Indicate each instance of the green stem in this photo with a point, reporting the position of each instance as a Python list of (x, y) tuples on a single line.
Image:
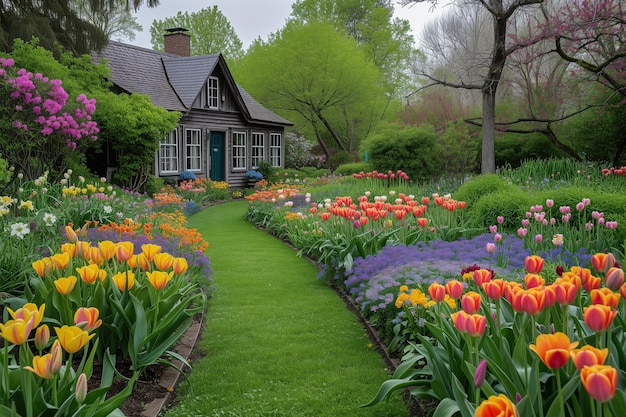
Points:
[(606, 412), (5, 373), (539, 395), (565, 320), (558, 386)]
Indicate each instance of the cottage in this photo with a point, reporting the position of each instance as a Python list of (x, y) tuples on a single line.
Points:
[(223, 131)]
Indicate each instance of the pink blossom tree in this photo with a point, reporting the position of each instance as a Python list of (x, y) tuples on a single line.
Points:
[(41, 128)]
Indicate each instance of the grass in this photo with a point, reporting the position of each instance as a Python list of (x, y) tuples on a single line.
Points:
[(278, 342)]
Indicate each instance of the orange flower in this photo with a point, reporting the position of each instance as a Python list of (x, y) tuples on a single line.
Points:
[(87, 318), (437, 292), (454, 288), (591, 283), (494, 289), (65, 285), (565, 291), (529, 301), (588, 355), (180, 265), (599, 317), (124, 280), (470, 302), (71, 234), (482, 275), (159, 279), (472, 324), (533, 264), (534, 280), (601, 262), (149, 250), (600, 381), (422, 222), (89, 273), (163, 261), (605, 296), (553, 349), (499, 406)]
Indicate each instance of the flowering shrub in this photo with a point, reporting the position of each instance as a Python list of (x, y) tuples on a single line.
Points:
[(515, 339)]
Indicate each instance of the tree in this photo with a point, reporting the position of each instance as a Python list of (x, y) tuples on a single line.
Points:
[(501, 11), (325, 82), (117, 21), (56, 21), (211, 33)]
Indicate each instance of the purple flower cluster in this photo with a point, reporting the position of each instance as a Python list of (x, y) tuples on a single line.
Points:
[(42, 101)]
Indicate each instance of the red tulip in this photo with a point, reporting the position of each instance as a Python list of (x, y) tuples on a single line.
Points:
[(605, 296), (600, 381), (553, 349), (494, 289), (599, 317), (482, 275)]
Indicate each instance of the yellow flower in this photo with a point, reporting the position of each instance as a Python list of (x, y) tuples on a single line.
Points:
[(65, 285), (43, 366), (163, 261), (450, 301), (43, 267), (180, 265), (72, 338), (417, 297), (124, 279), (28, 205), (401, 299), (87, 318), (17, 331), (61, 260), (89, 273), (107, 249), (159, 279), (149, 250), (27, 311)]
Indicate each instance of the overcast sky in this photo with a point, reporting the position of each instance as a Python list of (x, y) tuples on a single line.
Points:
[(253, 18)]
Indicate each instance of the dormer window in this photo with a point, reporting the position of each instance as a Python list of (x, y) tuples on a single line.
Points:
[(213, 93)]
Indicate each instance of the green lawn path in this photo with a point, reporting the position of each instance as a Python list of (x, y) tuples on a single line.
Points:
[(278, 342)]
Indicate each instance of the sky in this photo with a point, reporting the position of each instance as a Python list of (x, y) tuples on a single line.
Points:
[(254, 18)]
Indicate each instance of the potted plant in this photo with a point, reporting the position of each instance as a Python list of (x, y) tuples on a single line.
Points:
[(252, 177)]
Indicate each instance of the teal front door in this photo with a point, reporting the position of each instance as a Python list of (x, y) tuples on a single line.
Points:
[(216, 153)]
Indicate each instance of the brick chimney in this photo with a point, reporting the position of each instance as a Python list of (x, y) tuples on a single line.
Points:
[(177, 41)]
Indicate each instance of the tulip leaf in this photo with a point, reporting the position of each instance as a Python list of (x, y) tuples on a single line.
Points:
[(139, 329), (567, 390), (467, 410), (446, 408), (389, 387), (440, 383), (407, 365)]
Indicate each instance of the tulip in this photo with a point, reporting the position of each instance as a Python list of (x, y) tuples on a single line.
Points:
[(61, 260), (482, 275), (470, 302), (599, 317), (17, 331), (605, 296), (180, 265), (72, 338), (591, 283), (71, 233), (534, 280), (27, 311), (159, 279), (479, 375), (82, 249), (494, 289), (491, 247), (599, 262), (499, 406), (81, 388), (600, 381), (95, 256), (553, 349), (422, 222), (472, 324), (107, 249), (163, 261), (454, 288), (437, 292), (565, 292), (588, 355), (614, 278), (622, 291), (87, 318), (124, 280), (42, 337), (124, 250), (533, 264), (149, 250), (89, 273), (65, 285), (42, 366), (69, 248), (43, 267)]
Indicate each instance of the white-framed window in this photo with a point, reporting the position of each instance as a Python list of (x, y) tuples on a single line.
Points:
[(276, 140), (239, 150), (258, 145), (213, 93), (168, 153), (193, 149)]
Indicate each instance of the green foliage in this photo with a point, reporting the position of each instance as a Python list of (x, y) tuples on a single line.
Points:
[(511, 203), (481, 185), (353, 168), (297, 150), (133, 127), (210, 31), (512, 149), (339, 158), (458, 150), (410, 149)]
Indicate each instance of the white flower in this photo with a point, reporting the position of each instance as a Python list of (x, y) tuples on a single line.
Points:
[(4, 211), (20, 230), (557, 240), (20, 175), (50, 219), (120, 214), (108, 209)]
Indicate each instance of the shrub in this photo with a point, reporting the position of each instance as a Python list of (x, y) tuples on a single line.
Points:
[(411, 150), (512, 149), (458, 150), (354, 168), (339, 158), (478, 186), (297, 150)]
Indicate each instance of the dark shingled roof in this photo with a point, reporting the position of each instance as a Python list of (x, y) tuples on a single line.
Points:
[(171, 81)]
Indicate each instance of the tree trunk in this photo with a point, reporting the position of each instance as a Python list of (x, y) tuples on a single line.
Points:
[(488, 165), (332, 131)]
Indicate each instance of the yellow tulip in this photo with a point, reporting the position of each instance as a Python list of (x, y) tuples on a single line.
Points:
[(27, 311), (65, 285), (163, 261), (124, 250), (72, 338), (69, 248), (87, 318), (180, 265), (43, 267), (159, 279), (149, 250), (61, 260), (42, 366), (107, 248), (89, 273), (71, 233), (17, 331), (124, 279)]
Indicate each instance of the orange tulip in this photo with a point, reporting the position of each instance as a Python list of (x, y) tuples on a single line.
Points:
[(89, 273), (605, 296), (553, 349), (124, 250), (470, 302), (533, 264), (496, 406), (159, 279), (163, 261), (72, 338), (325, 215), (622, 291), (65, 285), (591, 283), (573, 278), (124, 280), (565, 292), (599, 317), (588, 355), (61, 260), (437, 292), (534, 280), (180, 265), (454, 288), (422, 222), (149, 250), (87, 318), (598, 262), (482, 275), (494, 289), (600, 381), (614, 278), (472, 324)]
